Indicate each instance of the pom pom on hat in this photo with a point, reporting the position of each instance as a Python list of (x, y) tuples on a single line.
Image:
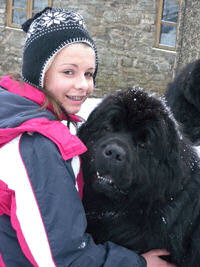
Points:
[(47, 33), (26, 25)]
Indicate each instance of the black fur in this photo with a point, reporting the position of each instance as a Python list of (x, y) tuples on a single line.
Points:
[(183, 97), (142, 179)]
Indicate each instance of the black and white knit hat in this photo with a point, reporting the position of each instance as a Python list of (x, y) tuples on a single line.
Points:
[(47, 33)]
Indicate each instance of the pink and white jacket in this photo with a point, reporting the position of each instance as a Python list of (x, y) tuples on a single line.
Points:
[(42, 220)]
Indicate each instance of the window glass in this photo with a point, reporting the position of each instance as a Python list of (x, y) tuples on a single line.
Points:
[(21, 10), (18, 17), (19, 3), (170, 11), (168, 35), (39, 5)]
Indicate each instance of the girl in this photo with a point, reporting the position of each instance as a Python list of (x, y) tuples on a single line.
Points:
[(42, 221)]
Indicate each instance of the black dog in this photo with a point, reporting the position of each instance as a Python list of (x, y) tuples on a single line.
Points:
[(183, 97), (142, 179)]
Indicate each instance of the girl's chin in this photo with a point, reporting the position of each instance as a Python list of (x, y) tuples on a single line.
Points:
[(73, 109), (72, 106)]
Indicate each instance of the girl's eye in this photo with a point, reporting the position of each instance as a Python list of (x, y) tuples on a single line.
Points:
[(68, 72), (89, 74)]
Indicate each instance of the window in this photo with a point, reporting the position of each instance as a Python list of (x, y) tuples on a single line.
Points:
[(21, 10), (167, 22)]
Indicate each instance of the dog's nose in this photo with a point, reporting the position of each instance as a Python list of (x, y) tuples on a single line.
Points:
[(114, 152)]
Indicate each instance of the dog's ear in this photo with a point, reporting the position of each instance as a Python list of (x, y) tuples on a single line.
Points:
[(191, 88), (170, 164)]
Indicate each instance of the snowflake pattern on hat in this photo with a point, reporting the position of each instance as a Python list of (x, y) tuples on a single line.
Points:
[(55, 18)]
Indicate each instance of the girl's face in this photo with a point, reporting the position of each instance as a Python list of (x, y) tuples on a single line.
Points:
[(70, 76)]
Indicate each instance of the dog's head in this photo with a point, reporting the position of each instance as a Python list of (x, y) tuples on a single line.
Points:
[(183, 97), (134, 147)]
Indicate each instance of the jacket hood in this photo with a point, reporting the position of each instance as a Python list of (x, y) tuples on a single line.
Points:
[(14, 110)]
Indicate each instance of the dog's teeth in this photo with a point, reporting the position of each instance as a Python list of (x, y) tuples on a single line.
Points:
[(164, 220), (109, 181), (104, 178)]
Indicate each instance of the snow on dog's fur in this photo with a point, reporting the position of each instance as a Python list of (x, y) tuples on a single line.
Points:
[(142, 178)]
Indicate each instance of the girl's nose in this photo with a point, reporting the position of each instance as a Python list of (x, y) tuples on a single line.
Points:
[(81, 83)]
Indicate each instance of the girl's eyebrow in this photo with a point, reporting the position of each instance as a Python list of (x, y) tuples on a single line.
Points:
[(76, 66), (69, 64)]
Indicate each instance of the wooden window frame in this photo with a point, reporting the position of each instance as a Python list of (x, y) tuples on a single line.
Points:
[(29, 11), (161, 22)]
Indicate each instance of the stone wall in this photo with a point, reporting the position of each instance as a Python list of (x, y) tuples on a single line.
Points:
[(11, 43), (189, 34), (124, 32)]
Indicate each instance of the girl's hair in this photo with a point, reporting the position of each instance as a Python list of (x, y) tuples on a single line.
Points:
[(49, 99)]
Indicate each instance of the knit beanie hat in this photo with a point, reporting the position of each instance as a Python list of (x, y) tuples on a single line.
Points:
[(47, 33)]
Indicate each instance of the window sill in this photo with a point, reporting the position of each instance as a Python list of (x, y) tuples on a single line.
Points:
[(10, 28), (164, 50)]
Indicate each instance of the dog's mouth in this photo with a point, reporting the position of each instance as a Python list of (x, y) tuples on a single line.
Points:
[(105, 184)]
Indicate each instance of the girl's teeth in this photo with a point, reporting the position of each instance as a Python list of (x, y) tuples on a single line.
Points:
[(77, 98)]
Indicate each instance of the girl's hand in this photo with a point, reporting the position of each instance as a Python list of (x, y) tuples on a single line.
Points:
[(153, 260)]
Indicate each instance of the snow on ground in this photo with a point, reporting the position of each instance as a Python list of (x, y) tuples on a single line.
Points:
[(197, 150), (86, 109), (88, 106)]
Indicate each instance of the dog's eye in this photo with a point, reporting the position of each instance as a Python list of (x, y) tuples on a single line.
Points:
[(141, 145), (107, 129)]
